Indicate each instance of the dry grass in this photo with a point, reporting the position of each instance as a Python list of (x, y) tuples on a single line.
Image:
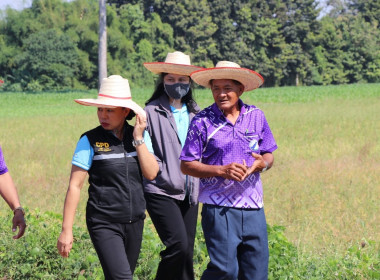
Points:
[(324, 187)]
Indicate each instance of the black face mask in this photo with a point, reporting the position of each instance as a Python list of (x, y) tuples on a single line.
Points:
[(177, 91)]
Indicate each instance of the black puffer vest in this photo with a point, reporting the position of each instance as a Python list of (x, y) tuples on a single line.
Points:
[(116, 191)]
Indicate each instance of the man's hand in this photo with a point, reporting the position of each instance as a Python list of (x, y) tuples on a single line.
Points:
[(18, 222), (259, 164), (234, 171)]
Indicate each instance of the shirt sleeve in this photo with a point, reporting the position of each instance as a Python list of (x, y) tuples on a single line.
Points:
[(83, 154), (268, 144), (148, 142), (3, 166), (192, 150)]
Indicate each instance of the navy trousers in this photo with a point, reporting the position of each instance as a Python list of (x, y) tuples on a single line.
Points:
[(237, 243)]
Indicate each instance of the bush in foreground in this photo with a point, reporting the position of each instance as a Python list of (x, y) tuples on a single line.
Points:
[(35, 256)]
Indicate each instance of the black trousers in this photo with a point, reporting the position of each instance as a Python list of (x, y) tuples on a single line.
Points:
[(117, 245), (175, 222)]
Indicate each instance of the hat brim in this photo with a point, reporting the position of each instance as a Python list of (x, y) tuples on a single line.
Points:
[(106, 103), (163, 67), (248, 78)]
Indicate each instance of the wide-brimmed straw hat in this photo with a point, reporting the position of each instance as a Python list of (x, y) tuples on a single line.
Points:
[(228, 70), (175, 63), (114, 92)]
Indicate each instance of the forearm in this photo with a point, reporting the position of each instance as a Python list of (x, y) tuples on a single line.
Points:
[(269, 159), (148, 163), (70, 206), (8, 191), (77, 178), (201, 170)]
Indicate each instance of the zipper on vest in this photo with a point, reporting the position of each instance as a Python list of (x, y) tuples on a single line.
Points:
[(128, 184)]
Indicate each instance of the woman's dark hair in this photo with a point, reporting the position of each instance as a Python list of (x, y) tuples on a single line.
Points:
[(131, 115), (160, 90)]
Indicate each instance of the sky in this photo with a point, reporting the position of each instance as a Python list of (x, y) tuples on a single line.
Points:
[(15, 4), (20, 4)]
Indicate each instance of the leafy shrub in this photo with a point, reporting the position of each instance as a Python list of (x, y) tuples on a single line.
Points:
[(286, 263), (34, 86), (16, 87), (35, 255)]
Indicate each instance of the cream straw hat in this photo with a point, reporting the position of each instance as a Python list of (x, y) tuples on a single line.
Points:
[(114, 92), (175, 63), (228, 70)]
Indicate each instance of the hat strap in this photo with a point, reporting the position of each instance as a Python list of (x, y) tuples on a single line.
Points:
[(113, 97)]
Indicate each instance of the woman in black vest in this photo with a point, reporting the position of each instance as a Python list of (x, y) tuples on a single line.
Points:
[(115, 158)]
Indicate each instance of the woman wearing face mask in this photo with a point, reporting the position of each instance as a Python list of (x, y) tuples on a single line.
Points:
[(172, 197)]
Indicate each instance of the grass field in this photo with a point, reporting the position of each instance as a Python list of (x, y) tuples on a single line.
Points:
[(324, 186)]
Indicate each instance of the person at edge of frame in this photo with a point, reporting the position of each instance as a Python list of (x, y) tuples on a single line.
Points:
[(9, 193)]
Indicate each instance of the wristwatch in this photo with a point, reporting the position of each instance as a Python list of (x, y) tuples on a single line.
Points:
[(136, 143), (265, 168), (19, 208)]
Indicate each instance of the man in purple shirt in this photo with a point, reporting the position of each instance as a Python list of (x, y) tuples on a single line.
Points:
[(228, 145), (9, 192)]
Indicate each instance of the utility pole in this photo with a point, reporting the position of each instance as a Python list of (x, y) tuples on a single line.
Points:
[(102, 48)]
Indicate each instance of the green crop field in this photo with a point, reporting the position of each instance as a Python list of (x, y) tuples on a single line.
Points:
[(323, 190)]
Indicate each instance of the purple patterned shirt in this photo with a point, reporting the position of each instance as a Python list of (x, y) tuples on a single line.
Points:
[(3, 166), (214, 140)]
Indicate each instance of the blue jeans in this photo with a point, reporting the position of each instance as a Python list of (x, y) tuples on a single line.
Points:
[(237, 243)]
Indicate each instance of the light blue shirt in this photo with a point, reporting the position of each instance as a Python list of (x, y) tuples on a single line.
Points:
[(181, 118), (83, 154)]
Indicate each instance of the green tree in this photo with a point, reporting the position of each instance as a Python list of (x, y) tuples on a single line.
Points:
[(299, 22), (368, 9), (281, 39), (49, 58), (192, 26), (228, 45), (328, 56), (260, 40), (361, 49)]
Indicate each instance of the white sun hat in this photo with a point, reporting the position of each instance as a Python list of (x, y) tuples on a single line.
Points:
[(175, 63), (114, 92), (228, 70)]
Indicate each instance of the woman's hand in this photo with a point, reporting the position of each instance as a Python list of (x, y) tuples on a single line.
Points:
[(140, 126), (65, 243)]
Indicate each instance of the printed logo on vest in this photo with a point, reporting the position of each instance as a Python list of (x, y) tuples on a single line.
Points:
[(103, 146)]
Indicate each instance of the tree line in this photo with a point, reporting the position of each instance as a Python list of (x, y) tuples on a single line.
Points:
[(53, 45)]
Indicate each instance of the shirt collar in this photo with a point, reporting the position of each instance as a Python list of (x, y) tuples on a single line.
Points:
[(219, 113), (182, 110)]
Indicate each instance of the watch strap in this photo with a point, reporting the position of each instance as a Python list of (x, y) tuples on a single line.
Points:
[(19, 208), (136, 143)]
